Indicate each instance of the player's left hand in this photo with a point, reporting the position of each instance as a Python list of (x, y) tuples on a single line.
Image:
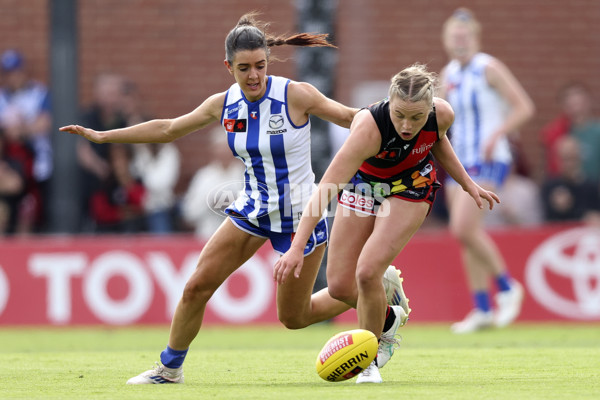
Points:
[(478, 193), (290, 262)]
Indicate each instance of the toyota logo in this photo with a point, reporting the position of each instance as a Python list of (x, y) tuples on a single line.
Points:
[(572, 256)]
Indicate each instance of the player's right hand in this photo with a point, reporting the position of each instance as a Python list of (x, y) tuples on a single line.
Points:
[(290, 262), (89, 134)]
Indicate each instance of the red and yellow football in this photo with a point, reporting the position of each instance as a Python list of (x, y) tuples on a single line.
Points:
[(346, 354)]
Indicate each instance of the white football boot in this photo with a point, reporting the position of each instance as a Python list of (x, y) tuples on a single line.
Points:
[(388, 342), (476, 320), (509, 304), (370, 374), (158, 374), (392, 282)]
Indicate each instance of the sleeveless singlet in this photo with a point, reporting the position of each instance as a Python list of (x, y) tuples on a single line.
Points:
[(479, 111), (276, 153), (403, 168)]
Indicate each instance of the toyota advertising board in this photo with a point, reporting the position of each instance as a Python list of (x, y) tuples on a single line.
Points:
[(139, 280), (563, 274)]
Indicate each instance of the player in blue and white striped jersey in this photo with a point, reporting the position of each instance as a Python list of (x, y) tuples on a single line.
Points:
[(276, 153), (489, 105)]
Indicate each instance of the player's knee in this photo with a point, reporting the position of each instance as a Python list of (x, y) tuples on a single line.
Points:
[(341, 292), (462, 233), (196, 292), (291, 320), (367, 276)]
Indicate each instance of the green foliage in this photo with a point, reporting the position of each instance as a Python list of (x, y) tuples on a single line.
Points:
[(539, 361)]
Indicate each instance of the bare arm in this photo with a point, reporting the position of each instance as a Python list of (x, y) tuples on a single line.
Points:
[(521, 105), (363, 142), (305, 100), (445, 156), (157, 130)]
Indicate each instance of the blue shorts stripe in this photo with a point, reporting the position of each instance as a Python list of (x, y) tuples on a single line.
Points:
[(281, 242), (494, 173)]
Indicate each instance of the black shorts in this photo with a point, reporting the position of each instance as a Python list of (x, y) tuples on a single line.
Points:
[(365, 194)]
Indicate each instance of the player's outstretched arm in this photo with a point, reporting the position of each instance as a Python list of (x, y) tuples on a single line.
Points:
[(157, 130), (154, 131)]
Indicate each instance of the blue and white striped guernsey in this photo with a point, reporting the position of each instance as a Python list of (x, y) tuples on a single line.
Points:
[(479, 111), (279, 178)]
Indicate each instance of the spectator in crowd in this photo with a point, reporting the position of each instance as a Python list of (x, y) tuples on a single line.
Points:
[(212, 188), (26, 118), (586, 129), (117, 206), (12, 189), (131, 104), (490, 105), (105, 113), (570, 196), (157, 165), (554, 130), (576, 119)]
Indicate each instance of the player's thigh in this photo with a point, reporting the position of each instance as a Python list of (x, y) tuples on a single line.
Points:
[(349, 233), (396, 223), (294, 294), (227, 249)]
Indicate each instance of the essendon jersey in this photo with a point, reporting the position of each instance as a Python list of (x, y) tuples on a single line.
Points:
[(399, 158)]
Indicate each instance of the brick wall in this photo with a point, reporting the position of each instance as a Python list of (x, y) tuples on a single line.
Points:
[(24, 25), (173, 49)]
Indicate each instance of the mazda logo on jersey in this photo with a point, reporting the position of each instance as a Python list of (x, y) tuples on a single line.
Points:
[(235, 125), (276, 121)]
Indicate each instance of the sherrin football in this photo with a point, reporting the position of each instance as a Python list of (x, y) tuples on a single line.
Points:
[(346, 354)]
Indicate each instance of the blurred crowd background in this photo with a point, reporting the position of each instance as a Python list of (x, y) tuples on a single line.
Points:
[(111, 63)]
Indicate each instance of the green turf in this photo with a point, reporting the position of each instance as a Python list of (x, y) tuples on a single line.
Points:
[(522, 362)]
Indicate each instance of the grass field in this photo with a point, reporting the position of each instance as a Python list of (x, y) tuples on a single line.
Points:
[(540, 361)]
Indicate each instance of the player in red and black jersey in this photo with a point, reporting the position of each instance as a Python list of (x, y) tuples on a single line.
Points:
[(401, 168), (391, 145)]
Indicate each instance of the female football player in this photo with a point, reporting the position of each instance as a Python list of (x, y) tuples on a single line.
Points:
[(490, 105), (388, 161)]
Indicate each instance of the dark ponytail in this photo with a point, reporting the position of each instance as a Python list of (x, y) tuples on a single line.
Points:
[(301, 39), (250, 34)]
